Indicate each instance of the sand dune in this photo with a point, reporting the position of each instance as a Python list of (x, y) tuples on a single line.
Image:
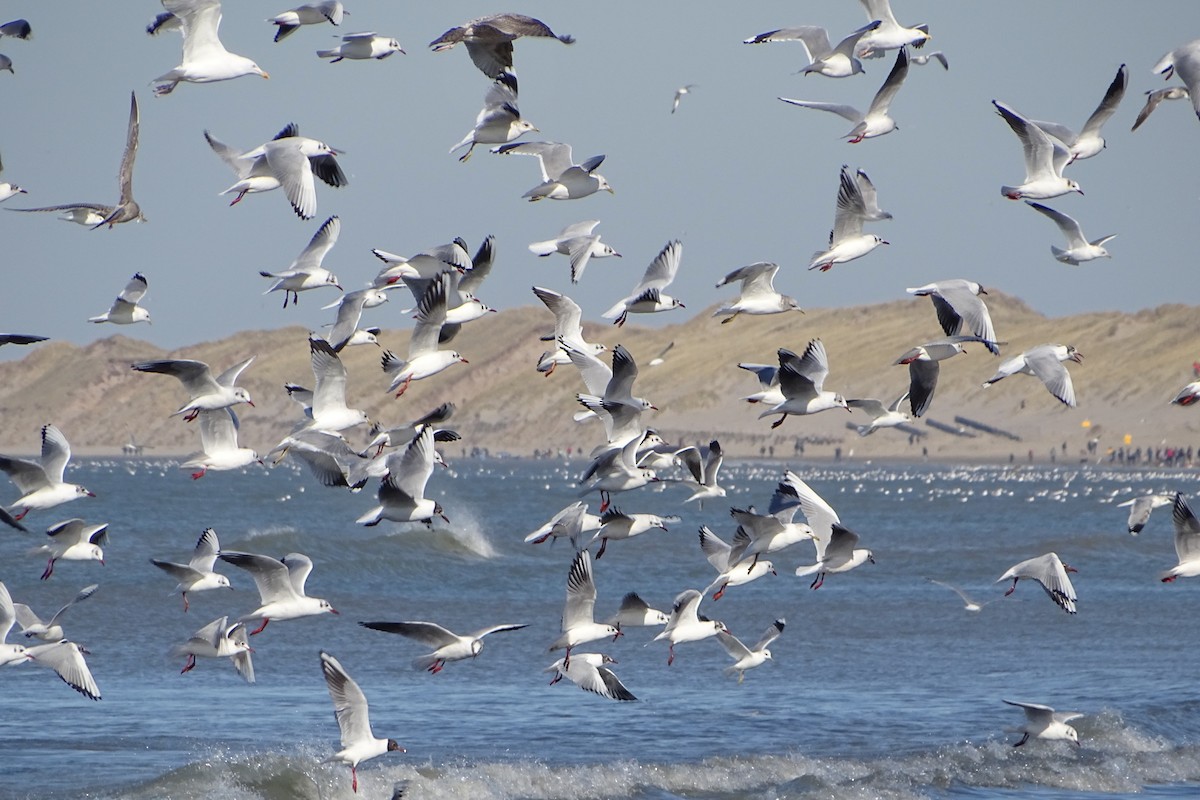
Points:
[(1134, 364)]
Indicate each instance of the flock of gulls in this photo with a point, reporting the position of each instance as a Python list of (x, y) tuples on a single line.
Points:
[(444, 282)]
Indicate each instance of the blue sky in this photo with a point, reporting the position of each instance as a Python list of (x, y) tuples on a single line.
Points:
[(736, 175)]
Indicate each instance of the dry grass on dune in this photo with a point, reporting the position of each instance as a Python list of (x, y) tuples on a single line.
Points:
[(1134, 363)]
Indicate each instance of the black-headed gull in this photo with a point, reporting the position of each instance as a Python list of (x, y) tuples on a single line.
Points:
[(924, 367), (218, 639), (1079, 249), (1184, 60), (499, 121), (701, 475), (875, 121), (50, 630), (847, 240), (732, 565), (578, 621), (329, 411), (306, 271), (1140, 508), (489, 39), (590, 672), (616, 470), (758, 295), (686, 624), (424, 357), (1045, 362), (969, 603), (1187, 542), (205, 392), (744, 657), (572, 523), (9, 653), (280, 583), (125, 309), (890, 34), (568, 328), (635, 612), (41, 482), (1045, 157), (362, 47), (448, 645), (615, 524), (205, 59), (759, 534), (66, 659), (836, 546), (219, 448), (802, 382), (824, 58), (1088, 142), (197, 575), (403, 434), (72, 540), (1155, 97), (345, 331), (353, 719), (578, 242), (958, 304), (1043, 722), (562, 178), (1050, 573), (402, 491), (427, 264), (288, 22), (289, 161), (881, 416), (1188, 394), (8, 190), (648, 296)]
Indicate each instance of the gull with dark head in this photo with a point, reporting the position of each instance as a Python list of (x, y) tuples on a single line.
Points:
[(354, 721), (1050, 573)]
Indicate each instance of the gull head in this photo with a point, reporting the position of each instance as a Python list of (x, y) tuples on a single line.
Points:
[(82, 491), (879, 241), (257, 70), (243, 396), (325, 606), (1077, 357), (766, 654), (602, 184), (441, 512), (523, 126), (393, 745), (221, 581), (140, 314), (1074, 186), (840, 401)]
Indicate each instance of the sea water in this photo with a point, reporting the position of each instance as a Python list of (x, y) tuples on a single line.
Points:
[(881, 686)]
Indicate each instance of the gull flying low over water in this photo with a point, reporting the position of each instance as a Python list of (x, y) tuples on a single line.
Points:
[(197, 575), (686, 624), (289, 161), (969, 603), (1079, 249), (1184, 60), (578, 620), (66, 659), (1088, 142), (1045, 157), (616, 470), (924, 367), (72, 540), (489, 40), (875, 121), (733, 569), (1155, 97), (744, 657), (1187, 542), (205, 59), (448, 645), (1140, 509), (759, 534), (824, 58), (499, 121), (577, 242), (9, 653), (306, 271), (590, 672), (1045, 362), (353, 719), (403, 434), (572, 523), (836, 546), (881, 417), (362, 47), (701, 476), (218, 639), (615, 524), (648, 297), (562, 178), (95, 215), (51, 630), (802, 382), (41, 482), (1043, 722), (402, 491), (958, 304), (288, 22), (1050, 573), (280, 583), (205, 392), (847, 240), (636, 613), (219, 449), (125, 309), (758, 295)]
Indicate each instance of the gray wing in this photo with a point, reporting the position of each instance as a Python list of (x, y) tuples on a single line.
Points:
[(66, 659), (349, 702), (195, 376), (125, 175), (554, 157), (83, 594), (771, 634), (481, 267), (966, 306), (815, 39), (295, 175), (848, 112), (409, 471), (230, 376), (270, 575), (1108, 106), (427, 633), (321, 243), (851, 208), (922, 380), (887, 92), (56, 452), (1050, 371), (662, 269), (1068, 225), (581, 592), (431, 315), (1187, 530)]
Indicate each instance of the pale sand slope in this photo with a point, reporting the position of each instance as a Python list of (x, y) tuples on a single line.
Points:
[(1134, 364)]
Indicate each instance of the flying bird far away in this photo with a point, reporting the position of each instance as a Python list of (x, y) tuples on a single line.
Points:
[(489, 40), (1079, 249), (205, 59), (125, 309), (824, 58), (353, 719), (1155, 97), (875, 121), (1050, 573)]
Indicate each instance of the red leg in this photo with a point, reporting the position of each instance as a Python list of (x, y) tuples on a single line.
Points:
[(49, 569), (198, 475), (238, 199), (259, 629), (720, 592), (671, 655), (21, 516), (185, 602), (1012, 588), (191, 664), (404, 386), (354, 778)]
